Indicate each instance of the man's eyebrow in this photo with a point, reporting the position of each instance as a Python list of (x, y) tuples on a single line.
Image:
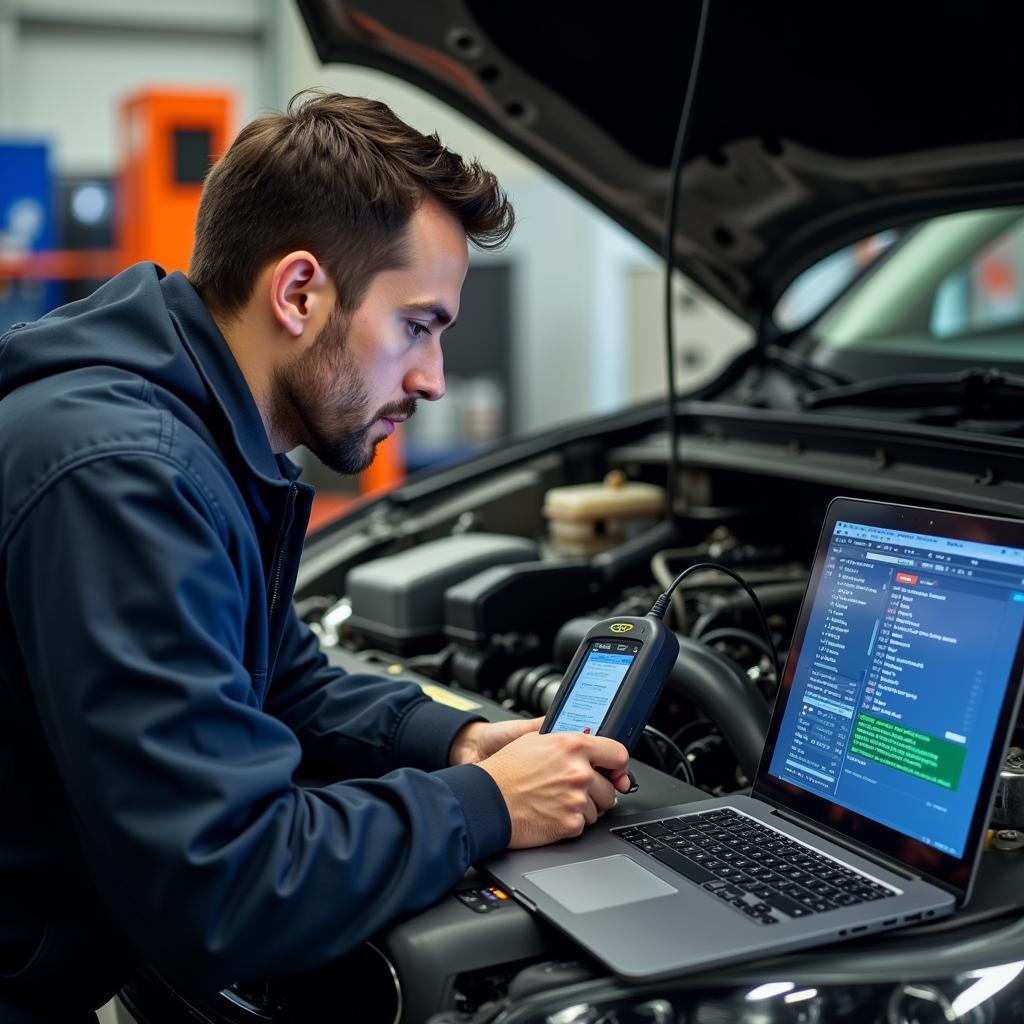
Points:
[(436, 311)]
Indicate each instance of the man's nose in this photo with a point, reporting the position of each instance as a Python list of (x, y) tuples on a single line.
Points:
[(426, 379)]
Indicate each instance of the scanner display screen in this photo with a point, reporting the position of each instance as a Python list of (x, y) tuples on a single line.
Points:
[(598, 681)]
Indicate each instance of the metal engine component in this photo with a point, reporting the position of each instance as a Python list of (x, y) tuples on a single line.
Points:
[(1008, 809)]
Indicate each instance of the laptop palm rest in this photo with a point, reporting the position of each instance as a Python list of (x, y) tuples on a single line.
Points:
[(599, 884)]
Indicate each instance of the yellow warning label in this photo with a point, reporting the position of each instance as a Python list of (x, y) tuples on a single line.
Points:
[(443, 696)]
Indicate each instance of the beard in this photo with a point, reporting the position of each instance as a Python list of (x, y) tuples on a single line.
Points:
[(322, 398)]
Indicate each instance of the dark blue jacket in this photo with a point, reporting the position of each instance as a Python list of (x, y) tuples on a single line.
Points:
[(157, 691)]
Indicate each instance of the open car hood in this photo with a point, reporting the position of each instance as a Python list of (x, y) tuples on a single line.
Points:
[(814, 124)]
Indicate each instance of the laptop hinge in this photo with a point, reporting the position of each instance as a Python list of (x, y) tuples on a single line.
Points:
[(896, 867)]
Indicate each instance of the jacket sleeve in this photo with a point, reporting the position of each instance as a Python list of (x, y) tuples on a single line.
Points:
[(127, 592), (356, 724)]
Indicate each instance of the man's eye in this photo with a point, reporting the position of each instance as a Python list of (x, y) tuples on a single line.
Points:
[(416, 329)]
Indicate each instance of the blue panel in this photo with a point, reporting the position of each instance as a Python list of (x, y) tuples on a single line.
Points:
[(27, 222)]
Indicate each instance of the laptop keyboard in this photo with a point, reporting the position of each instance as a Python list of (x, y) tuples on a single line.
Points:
[(758, 870)]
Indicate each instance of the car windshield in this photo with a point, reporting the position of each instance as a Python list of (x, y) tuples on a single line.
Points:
[(944, 296)]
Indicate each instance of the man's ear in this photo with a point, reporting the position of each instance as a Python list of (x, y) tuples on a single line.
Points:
[(302, 294)]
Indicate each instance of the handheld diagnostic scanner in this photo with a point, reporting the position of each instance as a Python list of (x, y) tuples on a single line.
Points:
[(614, 679), (620, 668)]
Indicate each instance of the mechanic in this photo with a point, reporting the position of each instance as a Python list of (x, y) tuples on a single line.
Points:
[(159, 691)]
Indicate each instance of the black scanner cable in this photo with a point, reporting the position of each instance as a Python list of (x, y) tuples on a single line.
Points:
[(678, 153), (660, 606)]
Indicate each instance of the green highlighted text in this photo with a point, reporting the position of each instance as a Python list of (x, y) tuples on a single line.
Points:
[(927, 757)]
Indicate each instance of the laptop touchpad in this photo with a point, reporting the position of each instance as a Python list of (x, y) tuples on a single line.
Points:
[(599, 884)]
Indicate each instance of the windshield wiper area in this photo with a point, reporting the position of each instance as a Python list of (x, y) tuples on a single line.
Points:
[(936, 398)]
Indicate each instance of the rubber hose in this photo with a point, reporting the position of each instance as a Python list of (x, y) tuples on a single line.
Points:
[(771, 595)]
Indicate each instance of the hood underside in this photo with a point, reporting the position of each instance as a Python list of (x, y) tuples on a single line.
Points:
[(813, 124)]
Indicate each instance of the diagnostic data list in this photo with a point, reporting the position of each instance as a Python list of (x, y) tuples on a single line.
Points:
[(900, 679), (595, 687)]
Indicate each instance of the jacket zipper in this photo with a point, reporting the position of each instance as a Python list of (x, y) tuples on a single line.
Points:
[(283, 550)]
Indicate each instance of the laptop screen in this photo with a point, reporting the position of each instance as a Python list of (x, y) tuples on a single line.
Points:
[(896, 692)]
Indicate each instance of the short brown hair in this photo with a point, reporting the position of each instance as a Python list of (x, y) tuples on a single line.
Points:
[(339, 176)]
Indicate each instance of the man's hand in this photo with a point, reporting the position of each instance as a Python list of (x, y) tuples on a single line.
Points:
[(479, 740), (552, 784)]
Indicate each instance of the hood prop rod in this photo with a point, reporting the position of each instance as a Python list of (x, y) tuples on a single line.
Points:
[(678, 154)]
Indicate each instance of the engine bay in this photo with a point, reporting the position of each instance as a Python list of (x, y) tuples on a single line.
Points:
[(479, 589), (456, 582)]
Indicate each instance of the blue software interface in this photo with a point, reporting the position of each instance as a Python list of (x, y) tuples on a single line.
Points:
[(903, 670), (596, 685)]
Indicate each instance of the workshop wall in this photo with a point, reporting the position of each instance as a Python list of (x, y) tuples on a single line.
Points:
[(65, 65)]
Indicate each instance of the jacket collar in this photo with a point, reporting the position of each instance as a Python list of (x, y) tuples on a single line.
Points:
[(224, 380)]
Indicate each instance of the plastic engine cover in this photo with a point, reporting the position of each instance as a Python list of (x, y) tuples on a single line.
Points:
[(398, 600)]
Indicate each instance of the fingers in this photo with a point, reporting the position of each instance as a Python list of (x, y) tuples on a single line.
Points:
[(555, 785), (514, 727), (510, 731), (521, 726), (622, 781), (518, 727), (493, 736), (601, 793), (603, 752)]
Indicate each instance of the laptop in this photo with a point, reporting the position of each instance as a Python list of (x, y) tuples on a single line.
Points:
[(870, 803)]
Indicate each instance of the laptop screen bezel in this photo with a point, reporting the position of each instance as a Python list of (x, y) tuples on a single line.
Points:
[(952, 873)]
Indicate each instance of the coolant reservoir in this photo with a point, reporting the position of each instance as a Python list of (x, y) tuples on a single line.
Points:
[(587, 518)]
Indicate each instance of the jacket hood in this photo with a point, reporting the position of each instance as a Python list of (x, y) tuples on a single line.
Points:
[(103, 329), (183, 353)]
